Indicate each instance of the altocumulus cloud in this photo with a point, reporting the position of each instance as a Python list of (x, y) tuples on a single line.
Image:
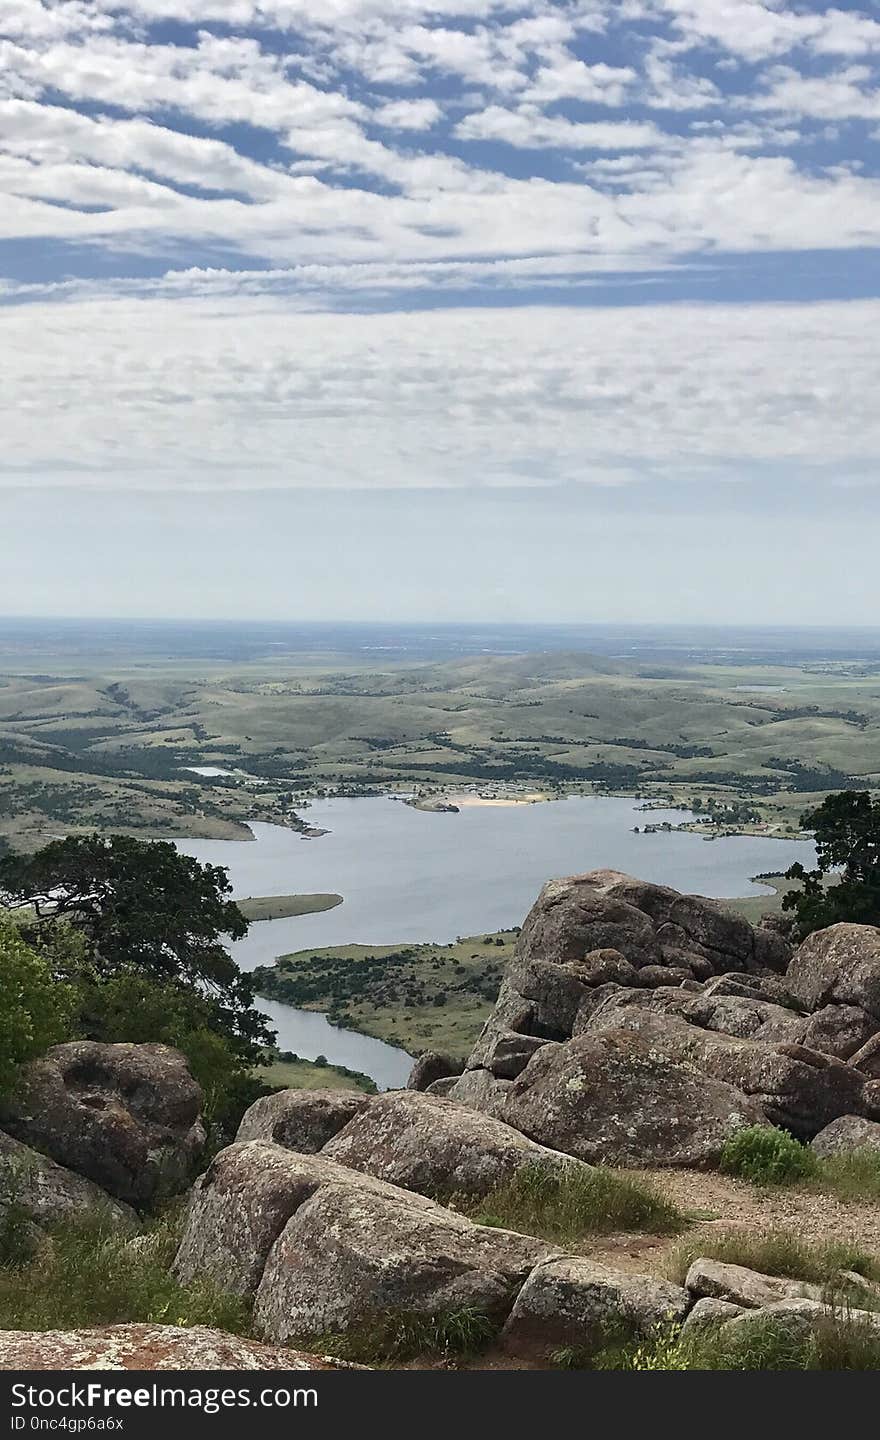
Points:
[(298, 243)]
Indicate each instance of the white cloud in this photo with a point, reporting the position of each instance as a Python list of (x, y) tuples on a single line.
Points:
[(528, 128), (246, 393)]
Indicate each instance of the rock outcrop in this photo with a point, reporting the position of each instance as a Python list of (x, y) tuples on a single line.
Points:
[(575, 1302), (148, 1347), (48, 1194), (794, 1038), (435, 1146), (848, 1133), (302, 1120), (125, 1116), (614, 1098)]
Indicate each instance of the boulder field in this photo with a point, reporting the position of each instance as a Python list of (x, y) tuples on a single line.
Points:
[(635, 1026)]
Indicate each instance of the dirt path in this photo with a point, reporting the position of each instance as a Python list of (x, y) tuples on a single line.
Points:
[(722, 1203)]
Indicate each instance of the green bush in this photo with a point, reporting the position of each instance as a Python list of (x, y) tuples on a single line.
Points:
[(34, 1008), (566, 1202), (767, 1156)]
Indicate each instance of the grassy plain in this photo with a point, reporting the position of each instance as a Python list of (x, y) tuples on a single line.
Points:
[(306, 1075), (420, 997), (107, 744)]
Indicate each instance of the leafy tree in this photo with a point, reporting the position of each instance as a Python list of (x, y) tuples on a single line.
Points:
[(846, 827), (34, 1007), (141, 909)]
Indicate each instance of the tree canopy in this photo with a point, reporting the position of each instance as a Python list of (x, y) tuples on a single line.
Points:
[(34, 1008), (140, 908), (846, 828)]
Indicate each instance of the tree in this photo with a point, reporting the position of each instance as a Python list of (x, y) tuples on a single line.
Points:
[(142, 908), (846, 827), (34, 1008)]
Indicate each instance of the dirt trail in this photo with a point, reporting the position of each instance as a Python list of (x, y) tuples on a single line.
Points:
[(722, 1203)]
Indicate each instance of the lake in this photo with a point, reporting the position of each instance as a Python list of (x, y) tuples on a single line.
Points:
[(410, 875)]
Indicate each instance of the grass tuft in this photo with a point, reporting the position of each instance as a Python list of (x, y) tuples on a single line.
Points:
[(393, 1339), (566, 1202), (85, 1275), (775, 1252), (855, 1176), (837, 1341)]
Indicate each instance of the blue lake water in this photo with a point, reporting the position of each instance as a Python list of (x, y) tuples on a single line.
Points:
[(410, 875)]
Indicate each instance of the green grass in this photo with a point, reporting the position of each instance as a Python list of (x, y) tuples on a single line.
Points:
[(393, 1339), (855, 1176), (281, 907), (775, 1252), (420, 997), (306, 1075), (566, 1203), (838, 1341), (84, 1275)]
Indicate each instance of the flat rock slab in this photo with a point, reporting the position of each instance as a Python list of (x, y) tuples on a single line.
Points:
[(571, 1301), (437, 1147), (748, 1288), (352, 1254), (148, 1347), (302, 1120)]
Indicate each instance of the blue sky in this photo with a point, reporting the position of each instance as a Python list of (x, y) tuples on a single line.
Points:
[(612, 262)]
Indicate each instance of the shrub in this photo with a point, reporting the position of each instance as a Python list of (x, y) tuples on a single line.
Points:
[(767, 1156), (34, 1008), (565, 1202)]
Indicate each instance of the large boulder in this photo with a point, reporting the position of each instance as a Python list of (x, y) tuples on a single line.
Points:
[(794, 1087), (48, 1194), (351, 1255), (838, 966), (647, 924), (571, 1301), (148, 1347), (430, 1067), (240, 1206), (847, 1134), (614, 1098), (302, 1120), (590, 933), (435, 1146), (125, 1116)]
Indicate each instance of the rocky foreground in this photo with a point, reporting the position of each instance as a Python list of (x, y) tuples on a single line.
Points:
[(636, 1027)]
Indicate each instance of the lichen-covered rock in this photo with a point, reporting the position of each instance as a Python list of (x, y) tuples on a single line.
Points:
[(800, 1089), (240, 1206), (436, 1146), (125, 1116), (148, 1347), (351, 1254), (840, 966), (431, 1066), (846, 1134), (571, 1301), (612, 1097), (707, 1314), (798, 1318), (49, 1194), (302, 1120), (715, 1280)]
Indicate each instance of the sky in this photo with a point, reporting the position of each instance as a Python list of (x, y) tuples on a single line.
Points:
[(440, 309)]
